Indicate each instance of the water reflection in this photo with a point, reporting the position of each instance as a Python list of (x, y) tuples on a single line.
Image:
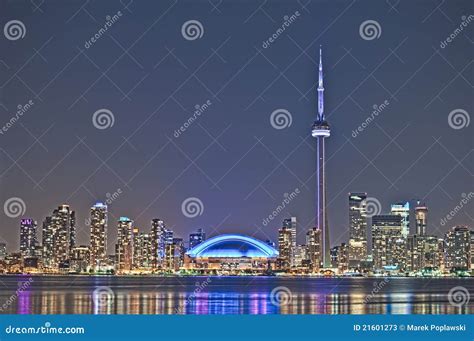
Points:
[(230, 296)]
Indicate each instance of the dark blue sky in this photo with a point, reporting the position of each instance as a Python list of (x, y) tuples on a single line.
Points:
[(151, 78)]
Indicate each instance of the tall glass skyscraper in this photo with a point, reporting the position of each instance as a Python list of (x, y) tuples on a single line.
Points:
[(421, 218), (357, 229), (98, 249), (28, 237), (403, 210)]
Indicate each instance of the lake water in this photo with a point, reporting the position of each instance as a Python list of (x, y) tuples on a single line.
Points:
[(232, 295)]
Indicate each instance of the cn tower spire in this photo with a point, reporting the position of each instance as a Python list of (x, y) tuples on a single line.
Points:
[(320, 87)]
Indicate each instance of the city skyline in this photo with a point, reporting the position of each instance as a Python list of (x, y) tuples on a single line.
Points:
[(421, 145)]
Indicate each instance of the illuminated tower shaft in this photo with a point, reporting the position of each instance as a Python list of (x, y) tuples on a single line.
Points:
[(321, 131)]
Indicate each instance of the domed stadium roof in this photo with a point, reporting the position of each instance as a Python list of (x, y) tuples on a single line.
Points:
[(232, 246)]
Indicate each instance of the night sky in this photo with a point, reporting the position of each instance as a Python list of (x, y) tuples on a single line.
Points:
[(231, 157)]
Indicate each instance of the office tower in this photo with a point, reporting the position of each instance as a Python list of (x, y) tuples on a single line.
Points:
[(421, 217), (180, 251), (141, 250), (285, 248), (343, 257), (414, 257), (321, 130), (169, 235), (431, 253), (357, 229), (301, 255), (388, 244), (196, 238), (59, 237), (458, 248), (80, 258), (28, 237), (124, 247), (98, 249), (157, 242), (403, 210), (170, 259), (290, 224), (3, 251), (313, 243)]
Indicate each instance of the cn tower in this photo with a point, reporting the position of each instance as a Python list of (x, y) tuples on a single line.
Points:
[(321, 131)]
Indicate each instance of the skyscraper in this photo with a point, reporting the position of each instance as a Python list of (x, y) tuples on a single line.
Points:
[(457, 249), (290, 225), (284, 247), (28, 237), (357, 229), (124, 247), (403, 210), (388, 244), (157, 242), (321, 130), (313, 243), (3, 251), (196, 238), (98, 249), (421, 218)]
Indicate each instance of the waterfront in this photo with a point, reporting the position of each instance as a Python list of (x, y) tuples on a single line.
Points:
[(229, 295)]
